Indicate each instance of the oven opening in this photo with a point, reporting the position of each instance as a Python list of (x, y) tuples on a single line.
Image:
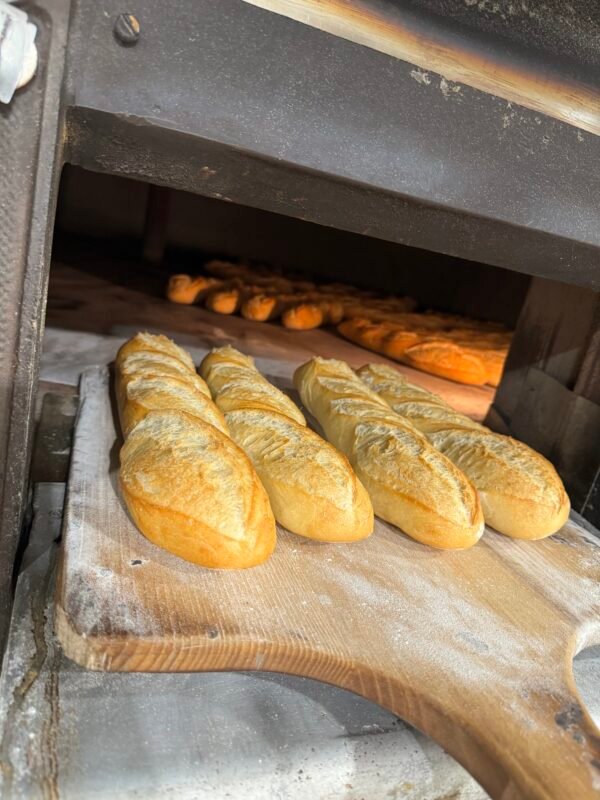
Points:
[(118, 243), (130, 256)]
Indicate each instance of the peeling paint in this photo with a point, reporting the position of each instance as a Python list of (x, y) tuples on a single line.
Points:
[(420, 76), (448, 88)]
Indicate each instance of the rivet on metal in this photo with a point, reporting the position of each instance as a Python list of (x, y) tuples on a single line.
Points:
[(127, 29)]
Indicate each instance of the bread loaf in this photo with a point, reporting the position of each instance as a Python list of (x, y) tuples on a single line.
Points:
[(521, 494), (260, 307), (224, 300), (446, 359), (188, 487), (235, 383), (155, 343), (303, 317), (141, 395), (410, 483), (312, 487), (186, 290)]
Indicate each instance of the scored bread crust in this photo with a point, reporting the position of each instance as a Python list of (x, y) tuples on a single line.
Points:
[(521, 493), (313, 490), (235, 383), (188, 487), (410, 483), (155, 343), (191, 490), (448, 360), (158, 365), (312, 487), (141, 395)]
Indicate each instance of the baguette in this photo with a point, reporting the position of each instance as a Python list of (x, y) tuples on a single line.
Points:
[(261, 307), (224, 300), (188, 487), (186, 290), (155, 343), (410, 483), (447, 360), (521, 493), (303, 317), (235, 383), (312, 487)]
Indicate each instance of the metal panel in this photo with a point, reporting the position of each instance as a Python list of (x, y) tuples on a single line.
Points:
[(29, 158), (235, 102)]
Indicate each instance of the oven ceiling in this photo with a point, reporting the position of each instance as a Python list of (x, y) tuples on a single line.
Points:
[(232, 101)]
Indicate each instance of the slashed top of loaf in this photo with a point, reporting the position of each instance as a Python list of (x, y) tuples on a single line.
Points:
[(175, 462), (394, 455), (278, 443), (501, 465), (425, 410), (235, 384), (382, 444), (164, 393), (495, 463), (151, 342), (149, 364)]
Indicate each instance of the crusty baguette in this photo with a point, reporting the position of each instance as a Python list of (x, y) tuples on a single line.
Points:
[(235, 383), (187, 290), (410, 483), (224, 300), (312, 487), (155, 343), (141, 395), (153, 364), (448, 360), (188, 487), (260, 307), (521, 493), (303, 317)]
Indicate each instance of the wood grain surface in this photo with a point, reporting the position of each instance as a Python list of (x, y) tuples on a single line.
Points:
[(474, 648)]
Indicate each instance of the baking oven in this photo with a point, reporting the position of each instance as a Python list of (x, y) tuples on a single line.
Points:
[(444, 152)]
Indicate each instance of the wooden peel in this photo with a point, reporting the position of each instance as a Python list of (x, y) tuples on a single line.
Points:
[(474, 648)]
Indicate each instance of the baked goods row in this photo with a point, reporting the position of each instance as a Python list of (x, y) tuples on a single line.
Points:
[(210, 461), (451, 346), (459, 349), (261, 295)]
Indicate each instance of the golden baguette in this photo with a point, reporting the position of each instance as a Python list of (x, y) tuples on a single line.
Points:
[(187, 486), (141, 395), (447, 360), (521, 493), (260, 307), (312, 487), (303, 317), (187, 290), (410, 483), (154, 364), (155, 343), (224, 300), (235, 383)]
